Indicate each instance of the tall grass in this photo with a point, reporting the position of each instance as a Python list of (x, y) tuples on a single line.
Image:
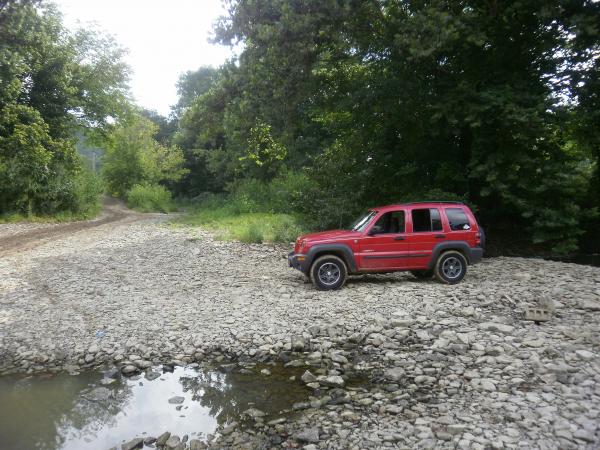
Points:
[(229, 224)]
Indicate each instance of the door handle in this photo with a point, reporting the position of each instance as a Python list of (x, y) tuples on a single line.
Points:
[(399, 238), (440, 236)]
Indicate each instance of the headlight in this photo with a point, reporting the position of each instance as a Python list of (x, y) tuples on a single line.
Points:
[(302, 244)]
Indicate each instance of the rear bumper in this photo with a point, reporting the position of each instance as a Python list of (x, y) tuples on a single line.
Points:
[(476, 255), (297, 261)]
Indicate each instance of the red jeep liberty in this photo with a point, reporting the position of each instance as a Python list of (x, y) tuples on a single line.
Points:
[(428, 238)]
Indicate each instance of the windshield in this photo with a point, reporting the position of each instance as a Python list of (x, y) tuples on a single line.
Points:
[(364, 220)]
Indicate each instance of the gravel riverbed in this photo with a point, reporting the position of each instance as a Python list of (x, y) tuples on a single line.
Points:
[(448, 366)]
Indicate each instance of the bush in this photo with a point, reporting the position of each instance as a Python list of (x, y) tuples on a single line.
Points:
[(150, 198), (87, 190), (283, 194)]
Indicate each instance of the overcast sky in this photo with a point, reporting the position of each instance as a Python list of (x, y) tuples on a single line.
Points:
[(164, 39)]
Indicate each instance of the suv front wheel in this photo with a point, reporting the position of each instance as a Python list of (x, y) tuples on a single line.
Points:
[(328, 272), (451, 267)]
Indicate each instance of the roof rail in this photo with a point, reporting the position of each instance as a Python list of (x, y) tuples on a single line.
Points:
[(433, 201)]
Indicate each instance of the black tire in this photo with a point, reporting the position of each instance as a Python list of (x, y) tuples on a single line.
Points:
[(450, 267), (328, 272), (422, 274)]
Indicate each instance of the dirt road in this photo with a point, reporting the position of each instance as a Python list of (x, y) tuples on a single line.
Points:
[(20, 237)]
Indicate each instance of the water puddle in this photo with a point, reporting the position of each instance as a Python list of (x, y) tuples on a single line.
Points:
[(93, 411)]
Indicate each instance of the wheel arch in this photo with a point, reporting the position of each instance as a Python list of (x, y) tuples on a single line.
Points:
[(443, 247), (340, 250)]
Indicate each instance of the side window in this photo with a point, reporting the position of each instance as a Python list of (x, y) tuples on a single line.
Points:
[(457, 219), (426, 220), (391, 222)]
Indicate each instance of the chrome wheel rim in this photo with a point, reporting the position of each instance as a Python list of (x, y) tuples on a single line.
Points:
[(329, 274), (452, 267)]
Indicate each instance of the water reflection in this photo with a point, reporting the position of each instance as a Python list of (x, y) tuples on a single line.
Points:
[(228, 395), (80, 412)]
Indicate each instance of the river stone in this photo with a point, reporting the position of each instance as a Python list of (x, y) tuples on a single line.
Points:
[(177, 400), (498, 327), (584, 354), (308, 377), (590, 305), (229, 428), (151, 375), (143, 364), (197, 444), (162, 439), (172, 442), (332, 381), (394, 374), (339, 358), (309, 435), (254, 413), (133, 444), (129, 369)]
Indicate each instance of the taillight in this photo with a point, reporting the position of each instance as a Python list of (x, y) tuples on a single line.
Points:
[(478, 238)]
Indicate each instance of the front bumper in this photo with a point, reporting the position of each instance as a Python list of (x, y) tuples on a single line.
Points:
[(296, 261)]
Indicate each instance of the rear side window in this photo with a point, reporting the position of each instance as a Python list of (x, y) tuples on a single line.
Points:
[(457, 219), (426, 220)]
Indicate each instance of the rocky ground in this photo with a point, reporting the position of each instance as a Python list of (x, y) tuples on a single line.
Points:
[(444, 366)]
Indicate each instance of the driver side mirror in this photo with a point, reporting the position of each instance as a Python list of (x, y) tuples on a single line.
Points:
[(375, 229)]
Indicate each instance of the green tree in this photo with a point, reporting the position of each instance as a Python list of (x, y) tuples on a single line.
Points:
[(134, 157), (52, 83), (391, 100)]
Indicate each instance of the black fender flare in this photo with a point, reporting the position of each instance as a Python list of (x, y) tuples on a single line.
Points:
[(461, 246), (342, 250)]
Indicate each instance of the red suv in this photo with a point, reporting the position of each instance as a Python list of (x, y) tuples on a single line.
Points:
[(428, 238)]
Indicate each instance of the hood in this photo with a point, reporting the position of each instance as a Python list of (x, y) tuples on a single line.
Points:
[(331, 234)]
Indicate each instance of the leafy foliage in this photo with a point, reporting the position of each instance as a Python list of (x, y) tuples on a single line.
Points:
[(52, 83), (494, 103), (134, 157)]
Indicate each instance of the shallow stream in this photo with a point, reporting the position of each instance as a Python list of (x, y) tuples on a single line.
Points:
[(99, 410)]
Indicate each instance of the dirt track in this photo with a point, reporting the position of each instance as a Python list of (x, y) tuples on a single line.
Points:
[(36, 234)]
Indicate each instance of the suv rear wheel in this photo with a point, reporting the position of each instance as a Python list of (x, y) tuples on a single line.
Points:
[(451, 267), (328, 272)]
